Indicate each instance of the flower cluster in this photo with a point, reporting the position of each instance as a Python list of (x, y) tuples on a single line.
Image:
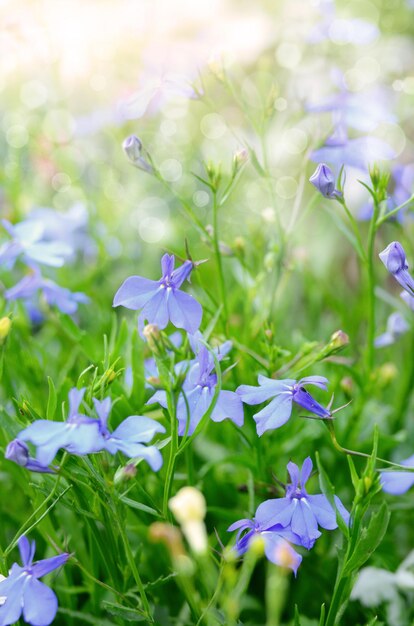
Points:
[(292, 519)]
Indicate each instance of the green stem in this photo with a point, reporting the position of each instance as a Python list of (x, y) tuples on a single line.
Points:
[(385, 217), (173, 453), (371, 289), (216, 245)]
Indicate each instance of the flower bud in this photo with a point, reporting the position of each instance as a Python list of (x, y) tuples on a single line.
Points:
[(125, 473), (240, 157), (324, 181), (152, 334), (339, 340), (188, 505), (159, 532), (133, 149), (5, 326), (394, 258), (257, 546)]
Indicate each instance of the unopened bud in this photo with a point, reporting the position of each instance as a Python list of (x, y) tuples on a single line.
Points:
[(240, 157), (367, 483), (152, 334), (339, 340), (257, 546), (169, 535), (133, 149), (125, 473), (5, 326), (188, 505)]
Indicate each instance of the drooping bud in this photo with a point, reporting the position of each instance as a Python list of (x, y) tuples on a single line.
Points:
[(324, 181), (133, 149), (395, 261)]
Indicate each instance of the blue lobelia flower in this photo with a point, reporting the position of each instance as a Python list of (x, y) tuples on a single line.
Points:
[(23, 591), (284, 393), (298, 511), (396, 327), (395, 261), (18, 452), (27, 242), (65, 300), (130, 435), (276, 546), (161, 300), (198, 391), (398, 482), (78, 435), (324, 180)]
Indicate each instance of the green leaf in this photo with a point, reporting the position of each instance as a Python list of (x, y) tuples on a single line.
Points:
[(296, 621), (369, 539), (52, 400), (129, 615), (139, 506), (322, 616)]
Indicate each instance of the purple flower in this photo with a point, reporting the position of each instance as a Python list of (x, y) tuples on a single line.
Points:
[(23, 591), (27, 242), (283, 392), (64, 299), (398, 482), (276, 546), (396, 327), (133, 149), (18, 452), (395, 261), (78, 435), (198, 392), (130, 435), (161, 300), (358, 152), (298, 511), (324, 181)]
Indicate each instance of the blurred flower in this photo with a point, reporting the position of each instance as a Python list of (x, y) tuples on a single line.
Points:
[(156, 92), (18, 452), (395, 261), (324, 181), (189, 509), (408, 299), (358, 153), (27, 241), (133, 149), (396, 327), (283, 392), (198, 391), (298, 511), (25, 593), (275, 539), (162, 301), (130, 435), (65, 300), (398, 482)]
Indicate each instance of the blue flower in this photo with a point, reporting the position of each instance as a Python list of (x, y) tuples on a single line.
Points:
[(161, 300), (198, 391), (23, 591), (130, 435), (398, 482), (395, 261), (78, 435), (298, 511), (284, 393), (324, 180), (276, 546), (27, 242), (18, 452), (396, 327), (64, 299)]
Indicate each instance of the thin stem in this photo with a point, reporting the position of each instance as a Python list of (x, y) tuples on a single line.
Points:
[(371, 289), (173, 453), (385, 217), (216, 245)]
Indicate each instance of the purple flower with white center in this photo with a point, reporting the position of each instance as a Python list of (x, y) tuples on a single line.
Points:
[(300, 512), (396, 327), (324, 180), (162, 301), (130, 435), (18, 452), (198, 391), (27, 242), (78, 435), (395, 261), (284, 393), (398, 482), (65, 300), (276, 546), (24, 592)]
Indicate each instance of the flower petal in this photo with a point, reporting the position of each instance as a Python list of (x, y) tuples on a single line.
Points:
[(138, 429), (39, 603), (230, 406), (184, 311), (275, 414), (135, 292)]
